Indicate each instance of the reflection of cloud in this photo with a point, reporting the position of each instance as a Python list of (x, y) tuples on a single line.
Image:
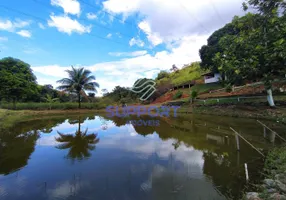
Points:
[(47, 140), (65, 189), (146, 146)]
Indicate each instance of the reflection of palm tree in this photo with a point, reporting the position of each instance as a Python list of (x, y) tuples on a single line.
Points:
[(79, 144)]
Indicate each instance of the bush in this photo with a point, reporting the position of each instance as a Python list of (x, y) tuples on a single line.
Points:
[(178, 95), (228, 88), (194, 94)]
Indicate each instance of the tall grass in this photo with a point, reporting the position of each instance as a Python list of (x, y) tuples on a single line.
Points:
[(54, 106)]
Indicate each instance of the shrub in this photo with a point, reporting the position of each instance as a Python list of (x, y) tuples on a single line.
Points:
[(228, 88), (178, 95)]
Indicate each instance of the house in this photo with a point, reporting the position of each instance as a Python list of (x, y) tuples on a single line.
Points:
[(211, 77)]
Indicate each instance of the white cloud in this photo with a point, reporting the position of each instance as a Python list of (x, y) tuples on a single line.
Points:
[(69, 6), (125, 71), (3, 39), (128, 54), (67, 25), (41, 26), (91, 16), (109, 35), (24, 33), (176, 19), (51, 70), (154, 38), (137, 42), (8, 25)]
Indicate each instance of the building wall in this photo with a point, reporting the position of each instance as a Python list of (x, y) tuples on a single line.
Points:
[(214, 79)]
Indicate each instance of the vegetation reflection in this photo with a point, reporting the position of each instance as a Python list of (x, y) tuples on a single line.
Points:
[(79, 144)]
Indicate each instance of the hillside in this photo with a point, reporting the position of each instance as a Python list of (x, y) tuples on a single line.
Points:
[(184, 75)]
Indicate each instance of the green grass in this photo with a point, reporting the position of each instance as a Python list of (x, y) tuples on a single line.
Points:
[(54, 106), (189, 73), (203, 88)]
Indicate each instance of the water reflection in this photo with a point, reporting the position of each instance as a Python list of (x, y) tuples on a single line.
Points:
[(184, 158), (15, 150), (79, 144)]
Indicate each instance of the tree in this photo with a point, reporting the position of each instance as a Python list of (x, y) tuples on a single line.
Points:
[(162, 74), (78, 81), (258, 51), (174, 68), (208, 52), (91, 95), (50, 100), (79, 144), (17, 80)]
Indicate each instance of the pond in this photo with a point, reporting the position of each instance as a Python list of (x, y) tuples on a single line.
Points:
[(96, 157)]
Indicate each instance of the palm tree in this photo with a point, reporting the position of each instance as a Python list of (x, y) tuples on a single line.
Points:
[(79, 144), (78, 81)]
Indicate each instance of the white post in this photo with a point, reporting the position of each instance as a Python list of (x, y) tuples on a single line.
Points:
[(246, 172)]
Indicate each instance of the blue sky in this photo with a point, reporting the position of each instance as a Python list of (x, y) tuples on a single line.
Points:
[(118, 40)]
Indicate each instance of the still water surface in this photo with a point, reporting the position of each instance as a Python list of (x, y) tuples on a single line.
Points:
[(93, 157)]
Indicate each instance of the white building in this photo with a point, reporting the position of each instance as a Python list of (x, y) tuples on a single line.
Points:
[(211, 77)]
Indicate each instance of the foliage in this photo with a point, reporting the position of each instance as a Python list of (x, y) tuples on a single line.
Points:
[(194, 94), (174, 68), (276, 161), (254, 48), (203, 88), (17, 80), (178, 95), (162, 74), (50, 100), (228, 88), (78, 80)]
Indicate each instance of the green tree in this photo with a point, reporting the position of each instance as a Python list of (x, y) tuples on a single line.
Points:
[(50, 100), (17, 80), (258, 51), (162, 74), (78, 80)]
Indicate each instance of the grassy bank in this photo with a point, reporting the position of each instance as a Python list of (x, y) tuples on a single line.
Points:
[(54, 106), (9, 118), (243, 111)]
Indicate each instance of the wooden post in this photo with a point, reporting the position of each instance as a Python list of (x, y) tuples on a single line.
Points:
[(247, 142), (271, 130), (237, 142), (264, 131), (246, 171)]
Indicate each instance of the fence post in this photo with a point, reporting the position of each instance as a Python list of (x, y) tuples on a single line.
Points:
[(246, 171), (237, 142), (217, 100), (238, 99)]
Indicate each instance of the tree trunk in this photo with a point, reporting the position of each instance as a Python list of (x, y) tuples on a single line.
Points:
[(270, 98), (78, 95)]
